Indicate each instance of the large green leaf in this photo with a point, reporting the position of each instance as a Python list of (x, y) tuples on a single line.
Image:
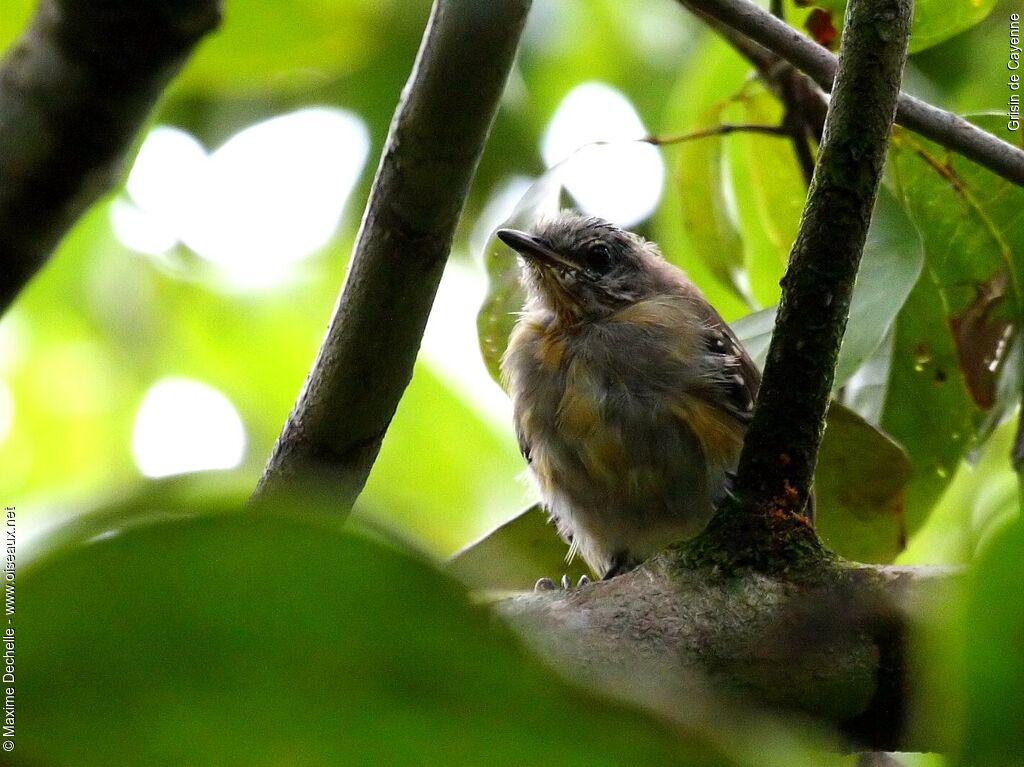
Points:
[(951, 375), (768, 190), (701, 92), (859, 482), (776, 179), (927, 407), (889, 269), (705, 215), (972, 224), (192, 637)]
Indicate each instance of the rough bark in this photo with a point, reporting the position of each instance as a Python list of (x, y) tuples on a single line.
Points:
[(780, 452), (74, 91), (335, 430), (828, 642), (945, 128)]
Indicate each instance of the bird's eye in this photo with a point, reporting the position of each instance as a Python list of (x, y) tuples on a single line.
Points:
[(599, 257)]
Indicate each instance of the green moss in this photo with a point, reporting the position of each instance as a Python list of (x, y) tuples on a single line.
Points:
[(768, 540)]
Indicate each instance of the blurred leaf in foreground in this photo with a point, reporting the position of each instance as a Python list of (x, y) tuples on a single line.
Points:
[(213, 637), (993, 675)]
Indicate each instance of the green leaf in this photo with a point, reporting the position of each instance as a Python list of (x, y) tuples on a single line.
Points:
[(938, 20), (927, 408), (981, 497), (776, 180), (993, 670), (892, 261), (972, 224), (505, 295), (952, 379), (513, 556), (934, 21), (699, 92), (706, 218), (889, 269), (860, 480), (208, 636), (14, 20)]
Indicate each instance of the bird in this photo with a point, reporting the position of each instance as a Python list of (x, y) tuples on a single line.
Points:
[(631, 395)]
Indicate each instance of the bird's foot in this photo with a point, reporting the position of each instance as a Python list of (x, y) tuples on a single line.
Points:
[(546, 584)]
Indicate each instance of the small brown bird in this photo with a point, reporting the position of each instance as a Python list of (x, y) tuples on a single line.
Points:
[(631, 395)]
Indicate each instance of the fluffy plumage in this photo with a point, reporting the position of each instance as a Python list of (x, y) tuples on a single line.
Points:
[(631, 395)]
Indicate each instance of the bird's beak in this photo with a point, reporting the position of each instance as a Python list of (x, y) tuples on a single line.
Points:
[(534, 248)]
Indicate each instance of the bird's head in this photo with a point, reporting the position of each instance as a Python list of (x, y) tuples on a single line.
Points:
[(583, 267)]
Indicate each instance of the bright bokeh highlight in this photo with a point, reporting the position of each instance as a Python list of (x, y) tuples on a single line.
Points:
[(620, 181), (269, 197), (185, 425)]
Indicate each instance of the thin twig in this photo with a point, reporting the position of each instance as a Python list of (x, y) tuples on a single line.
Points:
[(1017, 454), (945, 128), (805, 104), (722, 129)]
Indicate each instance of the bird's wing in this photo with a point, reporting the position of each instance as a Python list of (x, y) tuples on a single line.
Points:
[(736, 377)]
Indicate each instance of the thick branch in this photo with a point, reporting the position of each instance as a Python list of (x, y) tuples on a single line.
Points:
[(780, 451), (945, 128), (74, 91), (335, 430), (832, 646)]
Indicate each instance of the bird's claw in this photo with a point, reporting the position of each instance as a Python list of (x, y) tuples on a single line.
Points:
[(546, 584)]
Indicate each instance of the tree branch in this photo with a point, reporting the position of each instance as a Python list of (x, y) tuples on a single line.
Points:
[(832, 646), (945, 128), (797, 91), (335, 430), (74, 91), (722, 129), (780, 451), (754, 606)]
